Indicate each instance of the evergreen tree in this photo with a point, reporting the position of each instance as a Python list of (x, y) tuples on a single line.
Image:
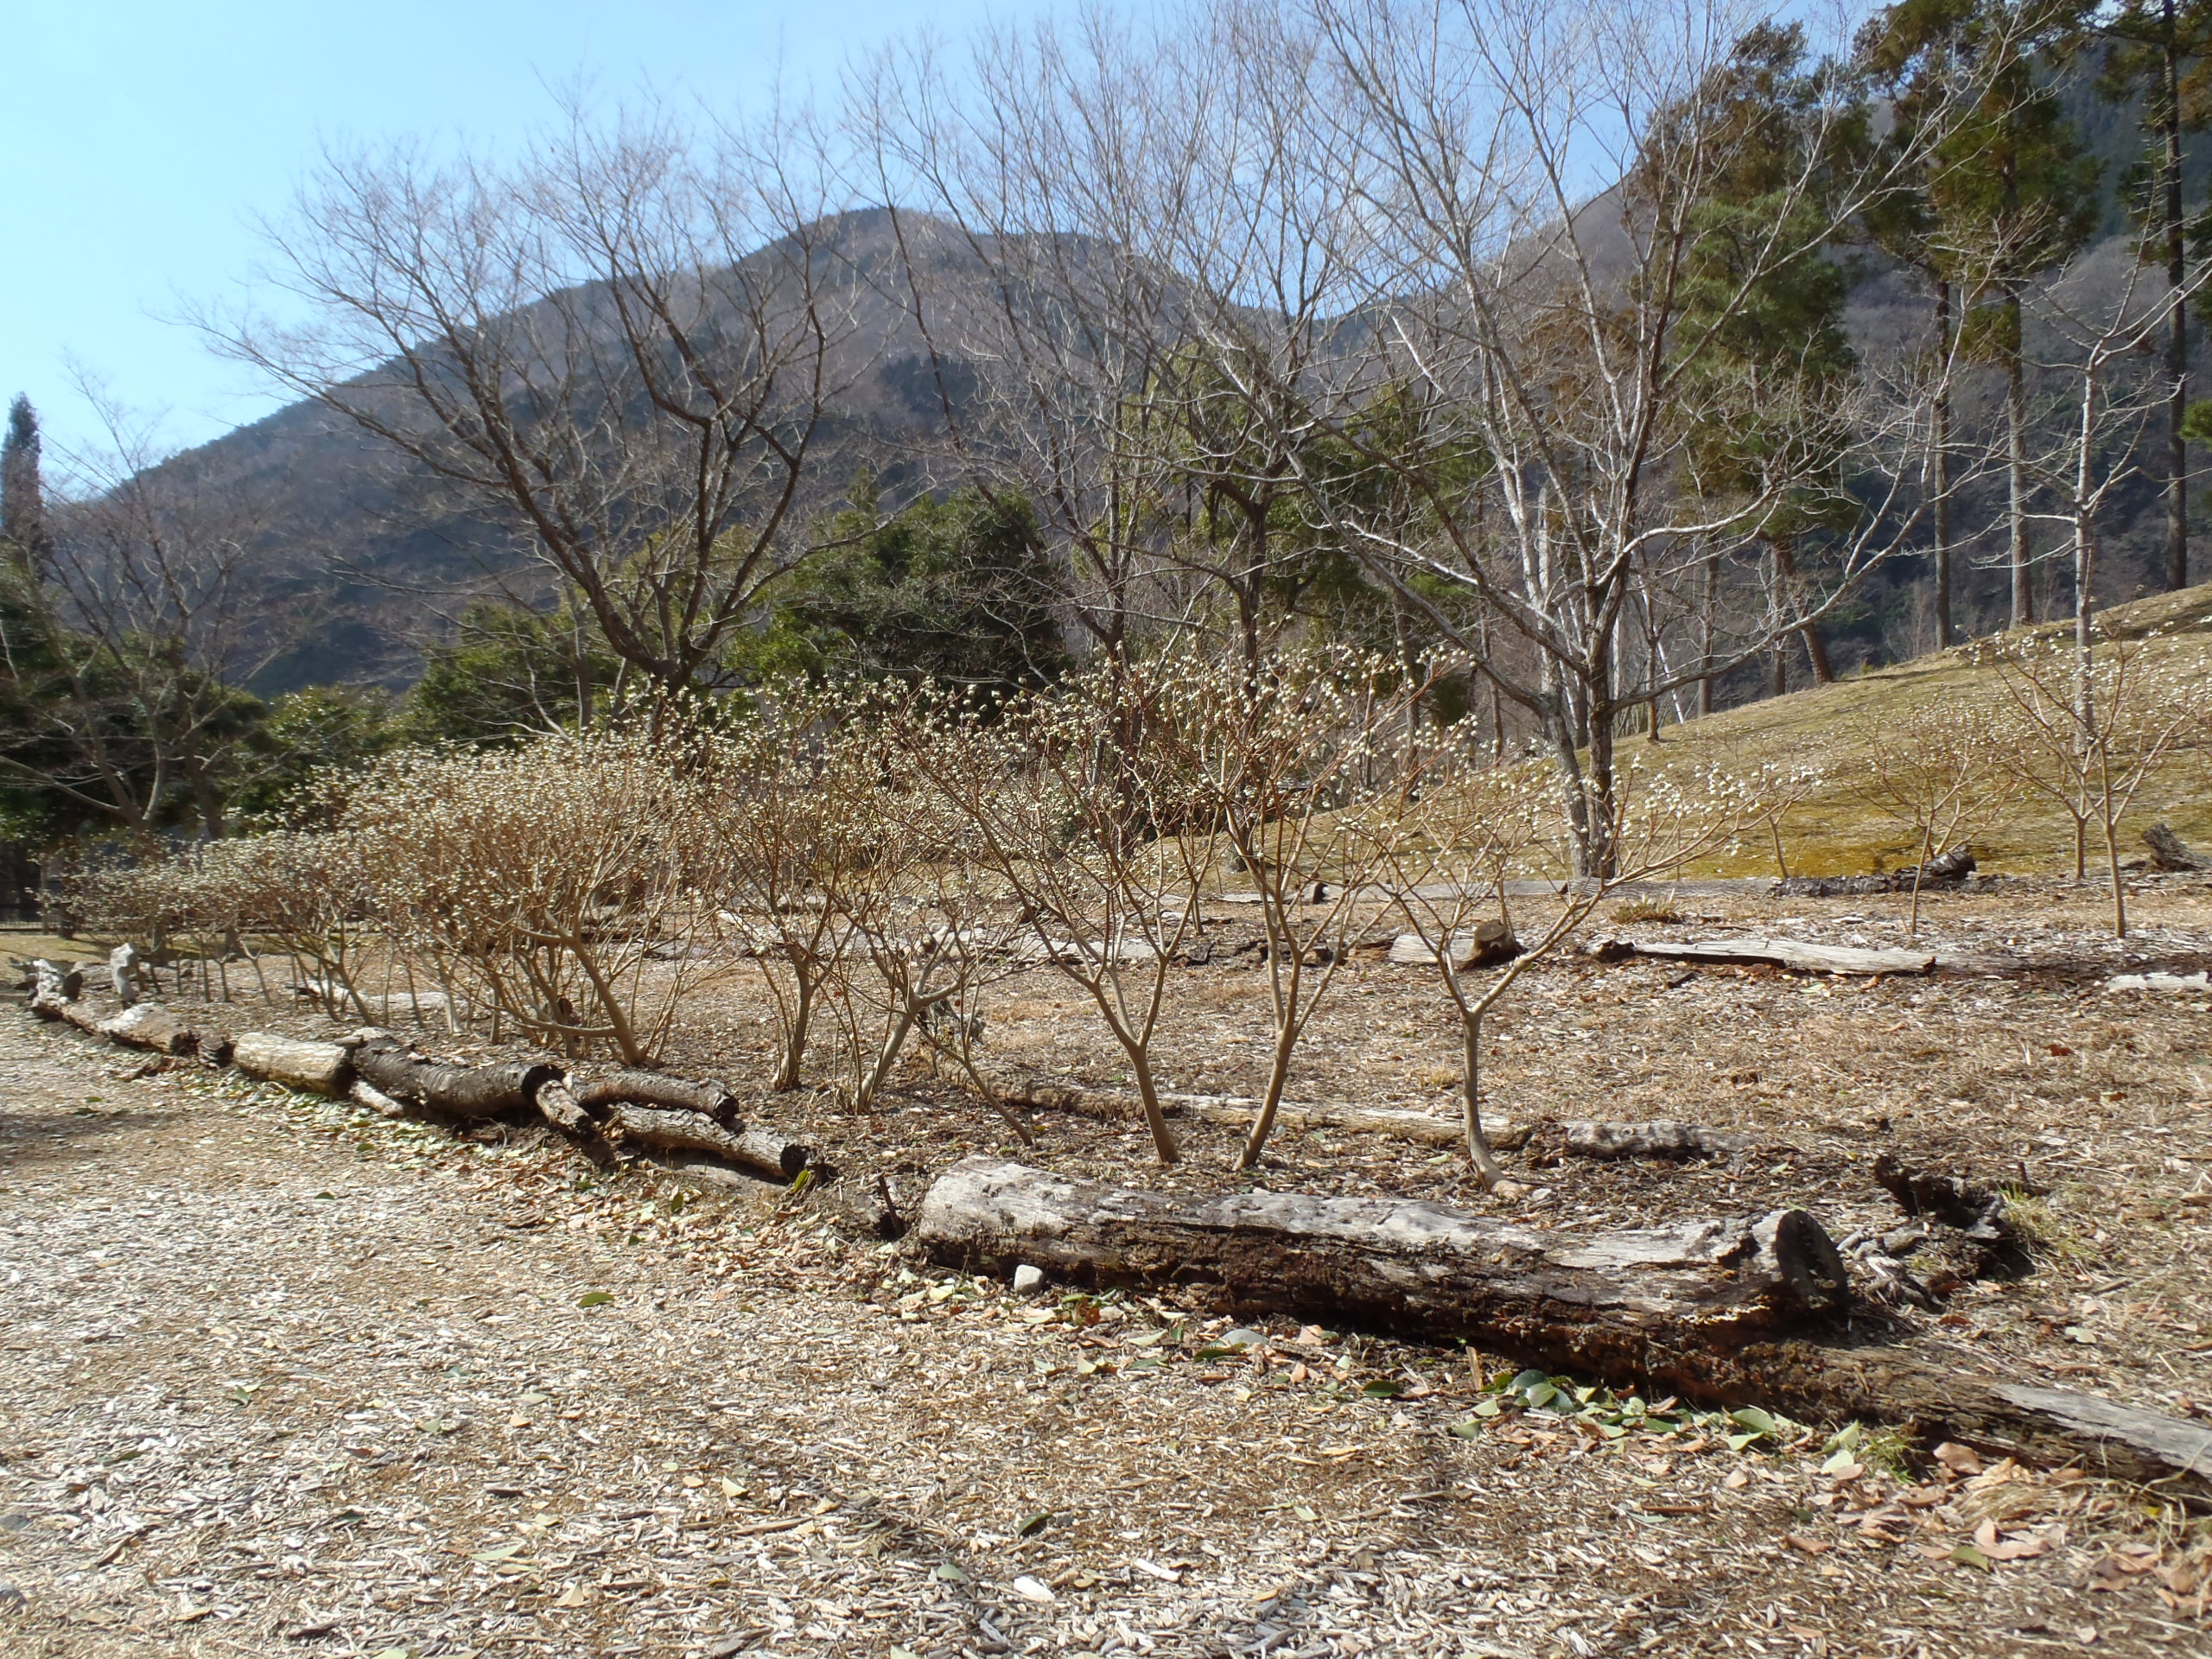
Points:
[(1748, 318), (22, 492), (958, 590), (2152, 44), (2009, 193)]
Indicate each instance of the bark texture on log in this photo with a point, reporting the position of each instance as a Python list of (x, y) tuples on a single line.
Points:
[(1490, 941), (368, 1095), (1660, 1139), (557, 1104), (1797, 955), (458, 1091), (317, 1068), (2170, 853), (149, 1024), (1591, 1303), (1725, 1312), (599, 1096), (680, 1131), (1944, 1393)]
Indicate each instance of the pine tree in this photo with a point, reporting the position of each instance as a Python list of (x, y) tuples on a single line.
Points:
[(2152, 42), (2009, 193)]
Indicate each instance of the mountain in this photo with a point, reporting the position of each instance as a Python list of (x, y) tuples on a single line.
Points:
[(376, 558)]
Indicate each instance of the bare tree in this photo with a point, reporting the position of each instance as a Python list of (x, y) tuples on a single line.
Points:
[(1455, 835), (2086, 734), (1502, 202), (1286, 768), (623, 348)]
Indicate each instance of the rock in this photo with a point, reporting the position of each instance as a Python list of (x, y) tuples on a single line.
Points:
[(1026, 1279)]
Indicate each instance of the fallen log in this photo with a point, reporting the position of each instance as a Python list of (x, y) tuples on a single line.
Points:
[(1491, 942), (600, 1096), (149, 1024), (1797, 955), (1238, 1111), (752, 1149), (558, 1105), (1721, 1312), (1951, 870), (455, 1091), (2170, 853), (315, 1068), (368, 1095), (1593, 1303), (1660, 1139)]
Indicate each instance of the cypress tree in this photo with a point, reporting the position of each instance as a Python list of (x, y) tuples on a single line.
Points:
[(23, 494)]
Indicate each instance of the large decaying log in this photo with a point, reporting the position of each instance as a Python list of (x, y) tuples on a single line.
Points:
[(1722, 1311), (1591, 1303), (456, 1091), (599, 1096), (315, 1068), (681, 1131), (1797, 955)]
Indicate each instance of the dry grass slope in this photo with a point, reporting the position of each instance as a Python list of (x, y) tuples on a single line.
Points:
[(1830, 833)]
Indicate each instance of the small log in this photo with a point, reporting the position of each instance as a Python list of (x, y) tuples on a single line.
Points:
[(2170, 853), (600, 1096), (752, 1149), (1660, 1139), (1591, 1303), (453, 1091), (315, 1068), (1797, 955), (368, 1095), (149, 1024), (2172, 983), (1491, 942), (1238, 1111), (558, 1105)]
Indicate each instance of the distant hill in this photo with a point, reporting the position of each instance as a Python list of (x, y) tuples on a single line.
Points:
[(380, 558)]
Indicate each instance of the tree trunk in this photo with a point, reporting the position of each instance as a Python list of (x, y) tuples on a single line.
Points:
[(1946, 635), (2177, 571), (2016, 475)]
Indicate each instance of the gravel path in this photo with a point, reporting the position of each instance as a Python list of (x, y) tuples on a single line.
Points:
[(280, 1378)]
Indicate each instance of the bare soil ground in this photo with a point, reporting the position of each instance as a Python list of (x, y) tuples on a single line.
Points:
[(279, 1377)]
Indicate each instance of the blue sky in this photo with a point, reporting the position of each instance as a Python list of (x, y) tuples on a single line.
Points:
[(140, 137)]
